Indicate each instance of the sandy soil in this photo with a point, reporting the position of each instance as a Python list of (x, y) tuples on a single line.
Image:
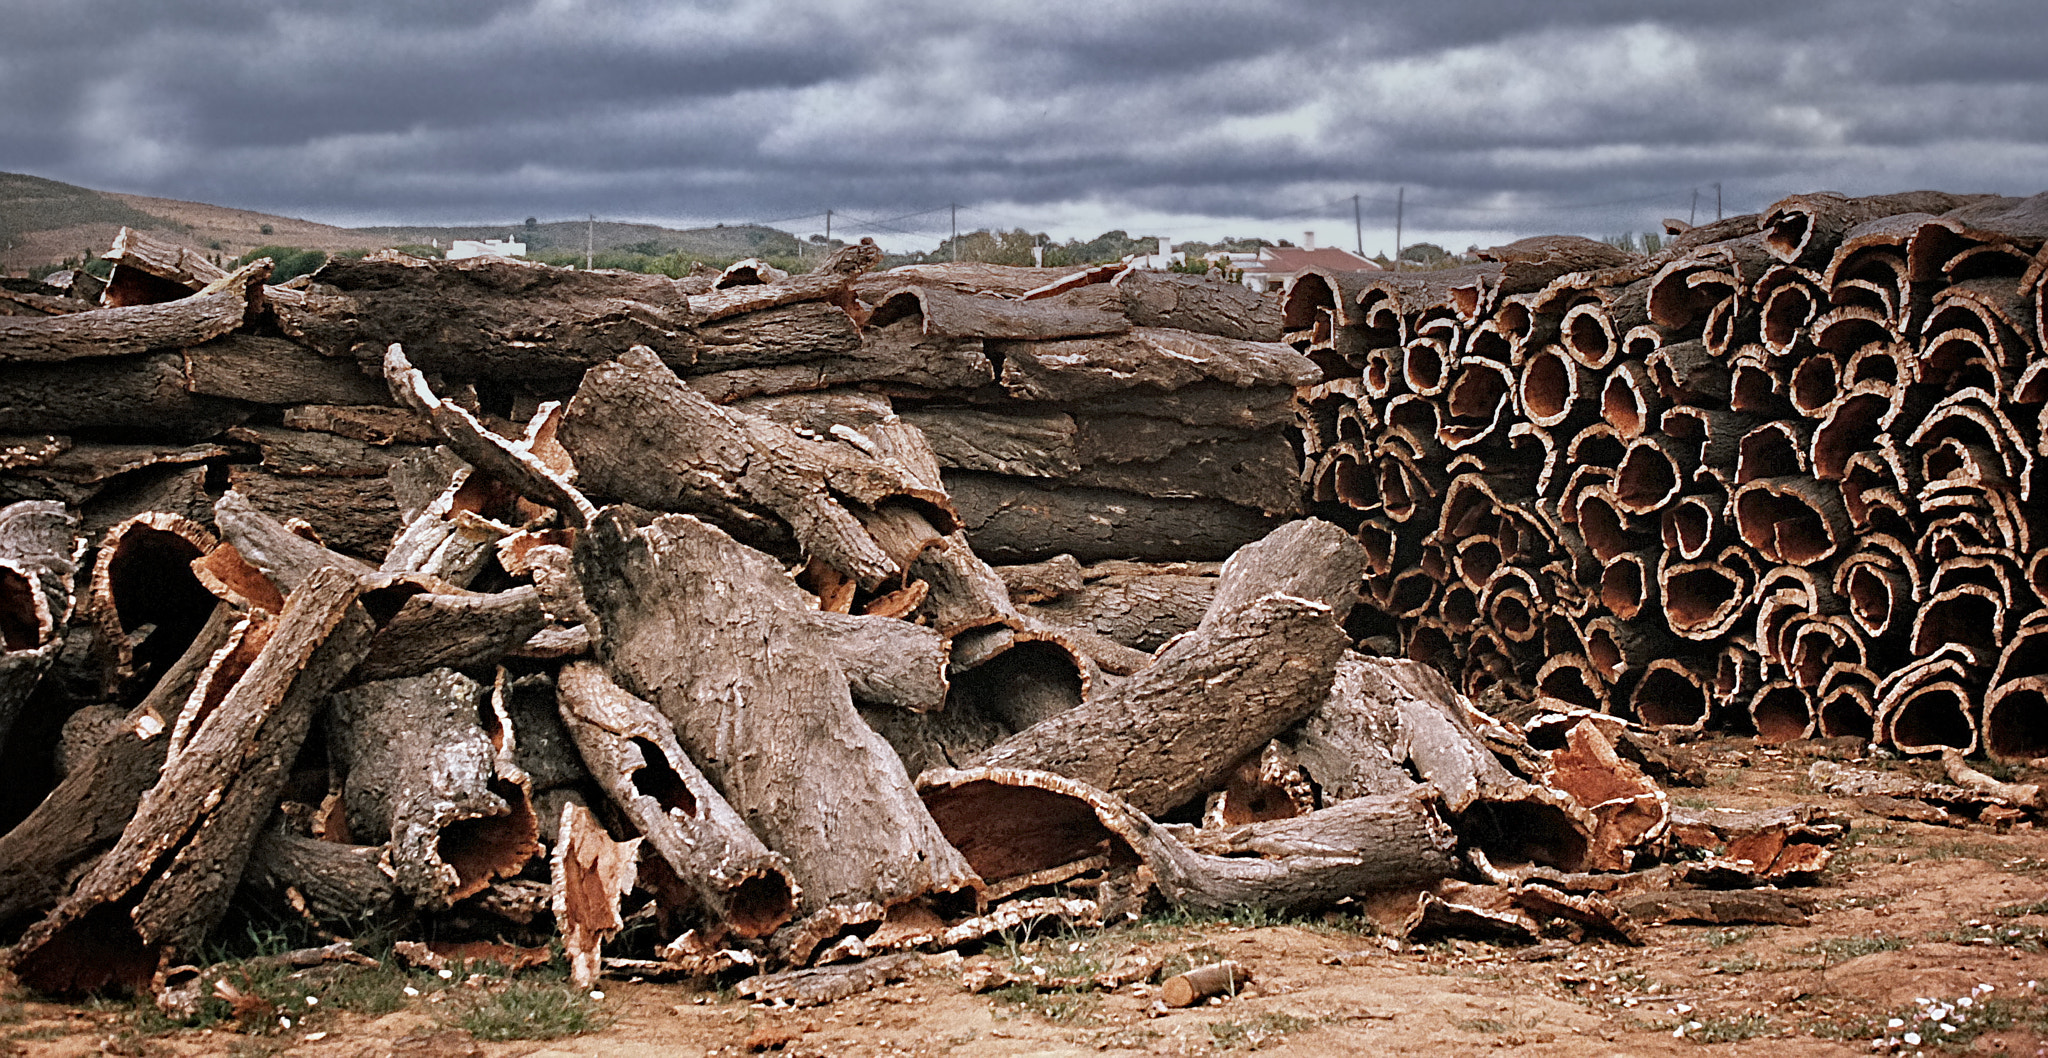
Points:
[(1908, 920)]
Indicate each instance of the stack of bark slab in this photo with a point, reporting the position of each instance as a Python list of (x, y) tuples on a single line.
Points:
[(1780, 477), (493, 601)]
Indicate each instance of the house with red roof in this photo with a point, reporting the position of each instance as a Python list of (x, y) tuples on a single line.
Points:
[(1275, 265)]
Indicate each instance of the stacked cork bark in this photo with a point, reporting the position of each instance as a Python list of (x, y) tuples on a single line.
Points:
[(1780, 477), (491, 602)]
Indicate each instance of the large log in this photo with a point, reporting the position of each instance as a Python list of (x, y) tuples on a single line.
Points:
[(417, 771), (152, 899), (1261, 660), (1017, 520), (631, 750), (134, 396), (148, 270), (130, 330), (704, 628), (638, 433)]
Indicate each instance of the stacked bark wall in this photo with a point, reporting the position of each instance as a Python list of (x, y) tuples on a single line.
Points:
[(1781, 477)]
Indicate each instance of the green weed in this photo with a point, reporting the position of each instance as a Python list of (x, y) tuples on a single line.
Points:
[(525, 1010), (1253, 1033)]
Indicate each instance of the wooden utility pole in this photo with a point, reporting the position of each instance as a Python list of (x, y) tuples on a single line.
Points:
[(1692, 216), (1717, 200), (1358, 225), (828, 227), (1400, 208), (956, 231), (590, 243)]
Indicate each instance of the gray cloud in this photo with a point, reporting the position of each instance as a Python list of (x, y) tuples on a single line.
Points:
[(1498, 117)]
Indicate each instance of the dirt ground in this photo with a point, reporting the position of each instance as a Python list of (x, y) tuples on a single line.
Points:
[(1940, 928)]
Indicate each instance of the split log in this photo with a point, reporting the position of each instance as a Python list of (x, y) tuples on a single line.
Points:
[(336, 886), (1015, 520), (1148, 359), (415, 769), (142, 395), (638, 433), (702, 627), (1011, 822), (1197, 303), (1170, 731), (632, 752), (148, 270), (1804, 229), (39, 550), (1139, 605), (151, 900), (514, 464), (261, 370), (143, 597), (122, 332)]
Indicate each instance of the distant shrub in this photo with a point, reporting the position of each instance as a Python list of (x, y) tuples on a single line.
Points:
[(288, 261)]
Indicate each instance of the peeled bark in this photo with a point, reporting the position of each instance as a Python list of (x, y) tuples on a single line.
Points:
[(632, 752), (126, 331), (703, 628), (591, 873), (418, 771), (1015, 520), (261, 370), (151, 900)]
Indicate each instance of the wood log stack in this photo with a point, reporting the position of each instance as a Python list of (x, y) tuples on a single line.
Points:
[(1781, 477), (494, 601)]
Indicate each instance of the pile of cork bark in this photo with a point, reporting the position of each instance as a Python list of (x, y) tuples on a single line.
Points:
[(1780, 477), (488, 602)]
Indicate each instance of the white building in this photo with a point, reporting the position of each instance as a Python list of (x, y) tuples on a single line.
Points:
[(505, 247)]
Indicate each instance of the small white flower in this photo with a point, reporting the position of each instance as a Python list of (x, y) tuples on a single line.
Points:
[(446, 974), (312, 1001), (1895, 1023), (596, 994), (315, 1037), (1683, 1008), (1692, 1025), (411, 991), (1965, 1001), (1946, 1027), (284, 1022), (1912, 1039)]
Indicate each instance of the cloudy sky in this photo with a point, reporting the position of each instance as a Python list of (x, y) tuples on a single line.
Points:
[(1492, 119)]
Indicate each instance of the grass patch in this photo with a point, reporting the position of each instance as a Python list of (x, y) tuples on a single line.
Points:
[(1254, 1033), (2038, 907), (1962, 850), (1722, 938), (12, 1013), (1741, 964), (1997, 935), (525, 1010), (1062, 1006), (1726, 1030), (1842, 949), (41, 1032)]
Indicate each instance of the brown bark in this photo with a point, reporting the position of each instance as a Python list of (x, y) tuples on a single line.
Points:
[(148, 270), (1215, 979), (334, 885), (355, 515), (261, 370), (152, 898), (417, 770), (703, 628), (640, 434), (942, 313), (1147, 359), (141, 395), (1260, 661), (591, 873), (126, 331), (832, 280), (39, 549), (632, 752), (1136, 606), (1197, 303), (452, 630), (1016, 520)]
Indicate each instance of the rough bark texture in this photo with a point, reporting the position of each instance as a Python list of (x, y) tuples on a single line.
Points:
[(152, 898), (632, 752), (701, 626)]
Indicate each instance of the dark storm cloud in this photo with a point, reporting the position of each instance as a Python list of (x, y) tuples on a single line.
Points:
[(1497, 117)]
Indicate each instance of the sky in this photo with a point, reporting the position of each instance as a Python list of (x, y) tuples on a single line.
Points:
[(1487, 120)]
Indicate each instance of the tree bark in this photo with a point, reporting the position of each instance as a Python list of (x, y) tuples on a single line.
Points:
[(121, 332), (1261, 660), (138, 396), (703, 628), (1010, 520), (334, 885), (1147, 359), (631, 751), (148, 270), (417, 770), (261, 370), (151, 900)]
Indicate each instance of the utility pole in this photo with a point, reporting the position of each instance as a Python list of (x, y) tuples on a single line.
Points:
[(1692, 216), (590, 243), (828, 228), (1717, 200), (1358, 225), (1400, 209), (956, 231)]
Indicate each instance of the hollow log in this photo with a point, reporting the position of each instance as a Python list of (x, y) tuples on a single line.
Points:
[(702, 627), (39, 551), (1197, 303), (151, 900), (1012, 822), (334, 885), (130, 330), (632, 752), (132, 396), (1929, 703), (1805, 229), (1170, 731), (417, 770), (148, 270)]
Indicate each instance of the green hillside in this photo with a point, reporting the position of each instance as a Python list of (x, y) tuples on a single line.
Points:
[(31, 204)]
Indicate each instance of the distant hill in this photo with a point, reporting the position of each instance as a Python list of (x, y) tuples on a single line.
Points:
[(42, 222)]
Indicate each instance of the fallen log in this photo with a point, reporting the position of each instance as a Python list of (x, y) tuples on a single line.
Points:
[(632, 752), (1172, 730), (150, 901), (1202, 982), (128, 331), (702, 627)]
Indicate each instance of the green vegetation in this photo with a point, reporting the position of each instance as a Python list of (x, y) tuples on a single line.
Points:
[(1842, 949), (1253, 1033), (288, 261), (31, 204), (1649, 243), (527, 1010)]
